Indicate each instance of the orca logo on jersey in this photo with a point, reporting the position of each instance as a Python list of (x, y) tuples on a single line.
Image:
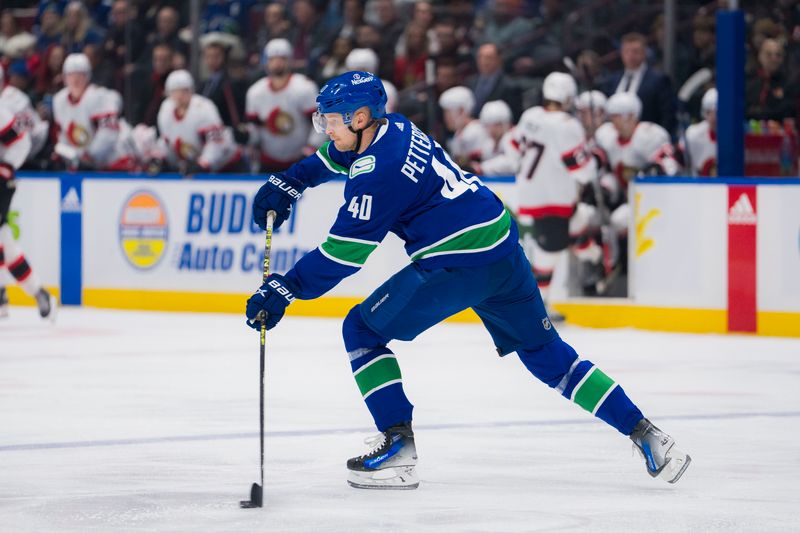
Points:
[(362, 166), (143, 230)]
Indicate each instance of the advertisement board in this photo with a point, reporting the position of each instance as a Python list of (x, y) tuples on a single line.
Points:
[(678, 245), (35, 221), (778, 233), (198, 236)]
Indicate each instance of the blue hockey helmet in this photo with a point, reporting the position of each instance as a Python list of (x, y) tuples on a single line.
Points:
[(347, 93)]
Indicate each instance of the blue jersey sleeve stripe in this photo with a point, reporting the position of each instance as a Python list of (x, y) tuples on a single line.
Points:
[(335, 259), (499, 220)]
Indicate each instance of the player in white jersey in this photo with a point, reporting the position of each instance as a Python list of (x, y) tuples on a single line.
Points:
[(470, 141), (554, 165), (87, 119), (367, 60), (700, 145), (27, 119), (193, 139), (632, 148), (15, 145), (590, 108), (279, 108), (504, 158)]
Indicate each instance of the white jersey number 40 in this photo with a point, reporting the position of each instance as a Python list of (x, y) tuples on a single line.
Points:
[(455, 183), (361, 210)]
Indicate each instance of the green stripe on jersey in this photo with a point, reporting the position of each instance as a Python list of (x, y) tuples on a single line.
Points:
[(352, 252), (592, 389), (477, 238), (332, 165), (377, 374)]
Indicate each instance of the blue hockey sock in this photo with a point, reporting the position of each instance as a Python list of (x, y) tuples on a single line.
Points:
[(558, 365), (378, 378)]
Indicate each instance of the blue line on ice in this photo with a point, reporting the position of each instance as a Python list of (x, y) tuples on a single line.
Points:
[(318, 432)]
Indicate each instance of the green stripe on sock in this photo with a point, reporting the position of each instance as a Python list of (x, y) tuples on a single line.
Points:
[(333, 165), (376, 374), (474, 239), (348, 251), (591, 391)]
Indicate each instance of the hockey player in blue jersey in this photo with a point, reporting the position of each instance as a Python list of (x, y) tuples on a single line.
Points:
[(464, 254)]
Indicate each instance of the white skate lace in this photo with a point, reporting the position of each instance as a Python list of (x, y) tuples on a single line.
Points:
[(375, 442)]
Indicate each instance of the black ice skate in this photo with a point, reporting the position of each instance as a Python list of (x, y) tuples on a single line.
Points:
[(3, 302), (47, 304), (390, 463), (662, 459)]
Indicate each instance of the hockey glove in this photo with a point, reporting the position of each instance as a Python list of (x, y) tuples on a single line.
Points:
[(279, 193), (272, 298)]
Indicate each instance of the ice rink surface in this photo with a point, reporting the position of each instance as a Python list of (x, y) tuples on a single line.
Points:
[(121, 421)]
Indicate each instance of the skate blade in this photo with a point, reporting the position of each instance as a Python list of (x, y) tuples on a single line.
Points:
[(672, 473), (394, 478)]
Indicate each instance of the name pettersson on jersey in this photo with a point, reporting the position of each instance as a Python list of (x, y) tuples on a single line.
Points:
[(358, 80)]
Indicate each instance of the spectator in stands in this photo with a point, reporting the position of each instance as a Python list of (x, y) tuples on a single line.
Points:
[(79, 29), (491, 83), (409, 65), (770, 95), (653, 88), (504, 24), (764, 28), (335, 63), (704, 42), (276, 26), (167, 26), (102, 69), (18, 75), (447, 47), (388, 23), (8, 27), (352, 18), (308, 39), (227, 94), (49, 79), (148, 83), (124, 39), (367, 36), (49, 30)]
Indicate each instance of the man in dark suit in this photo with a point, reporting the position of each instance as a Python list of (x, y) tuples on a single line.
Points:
[(491, 83), (652, 87)]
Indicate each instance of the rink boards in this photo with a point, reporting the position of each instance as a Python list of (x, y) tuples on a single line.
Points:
[(705, 255)]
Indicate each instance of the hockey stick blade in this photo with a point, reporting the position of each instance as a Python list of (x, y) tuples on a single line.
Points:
[(256, 498)]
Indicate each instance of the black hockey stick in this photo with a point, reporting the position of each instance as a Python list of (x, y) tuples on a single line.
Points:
[(257, 491)]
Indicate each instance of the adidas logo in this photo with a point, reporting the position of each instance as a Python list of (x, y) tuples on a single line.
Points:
[(742, 212)]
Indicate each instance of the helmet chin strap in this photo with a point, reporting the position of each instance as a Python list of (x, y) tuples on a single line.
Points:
[(360, 133)]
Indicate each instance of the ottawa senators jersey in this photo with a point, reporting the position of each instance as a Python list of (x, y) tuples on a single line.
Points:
[(553, 162), (196, 135), (471, 143), (27, 120), (282, 118), (14, 142), (90, 125), (649, 144), (700, 149)]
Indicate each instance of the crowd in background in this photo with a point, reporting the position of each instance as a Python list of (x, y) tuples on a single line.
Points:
[(499, 49)]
